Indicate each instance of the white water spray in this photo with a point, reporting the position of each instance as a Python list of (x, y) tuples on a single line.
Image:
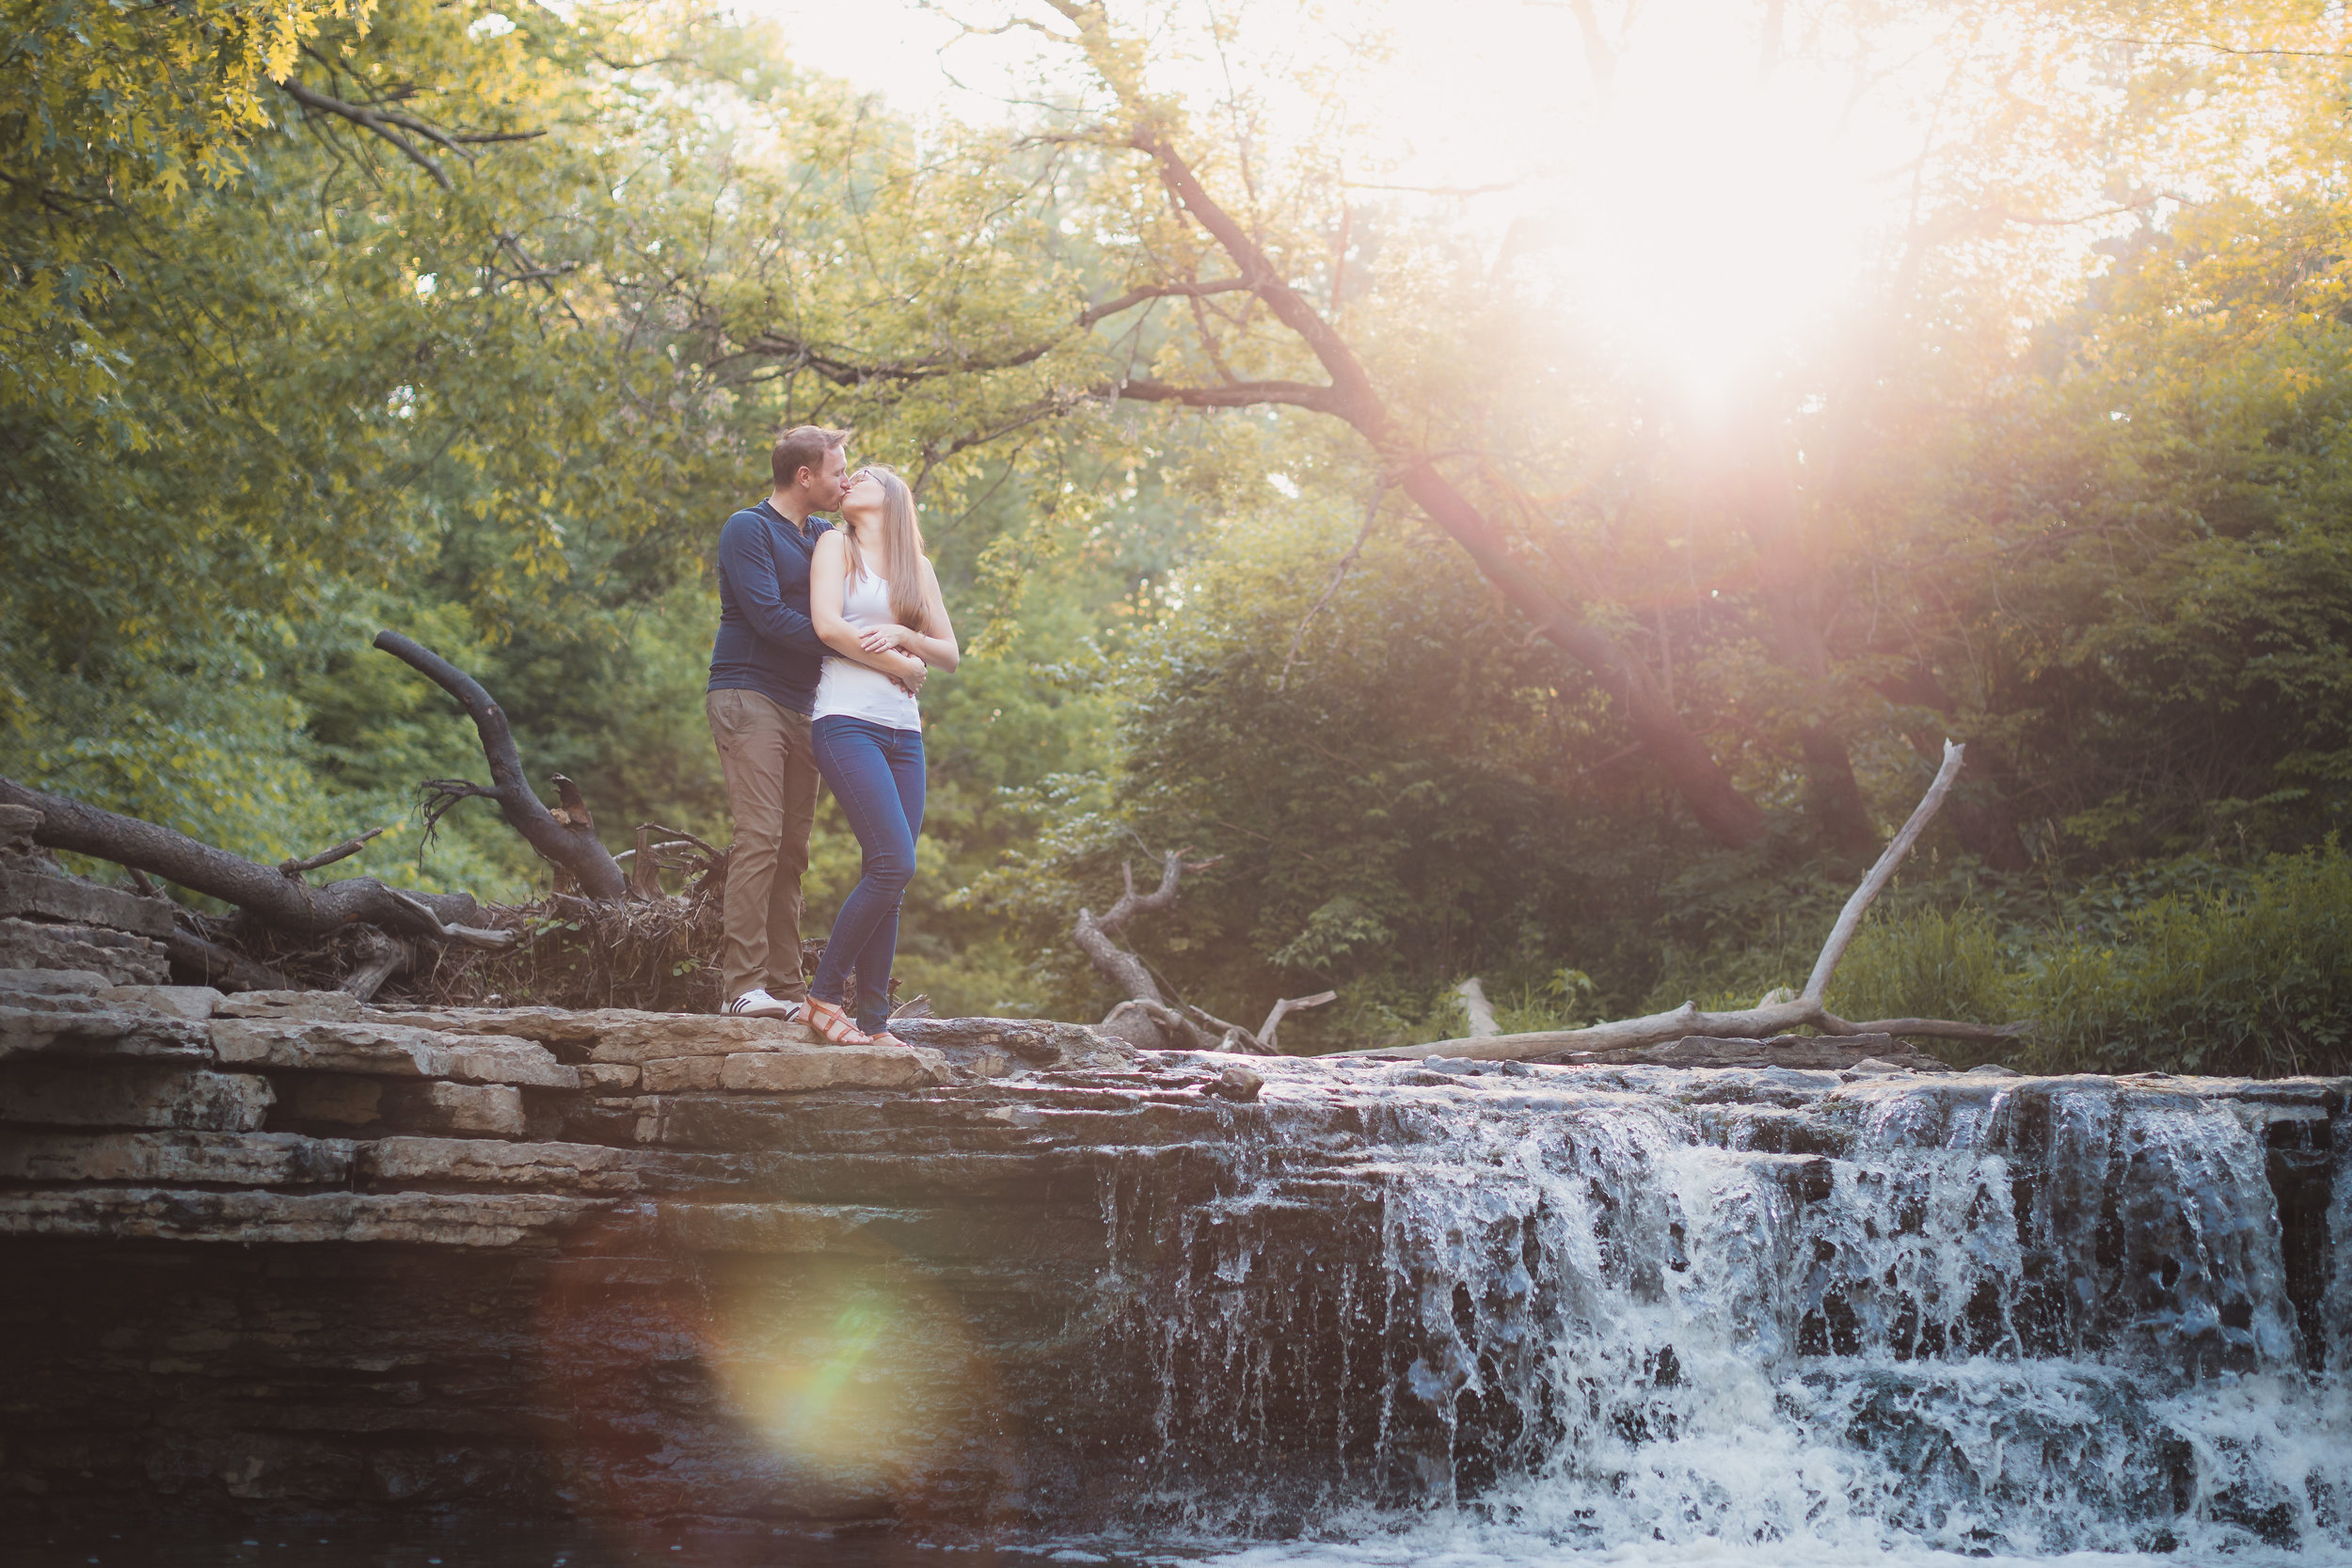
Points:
[(1758, 1317)]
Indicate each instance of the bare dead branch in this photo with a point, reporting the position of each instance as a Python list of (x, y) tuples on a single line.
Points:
[(1282, 1009), (344, 851), (1779, 1018), (262, 892), (472, 935), (1121, 968), (1807, 1011), (1230, 1037), (1874, 882), (681, 836)]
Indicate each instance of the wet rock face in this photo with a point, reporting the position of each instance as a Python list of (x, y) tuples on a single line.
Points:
[(1017, 1276)]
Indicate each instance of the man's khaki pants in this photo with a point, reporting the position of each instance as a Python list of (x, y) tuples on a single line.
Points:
[(772, 789)]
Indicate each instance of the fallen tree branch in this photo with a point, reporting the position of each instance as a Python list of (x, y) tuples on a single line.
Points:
[(471, 936), (344, 851), (569, 840), (1144, 1019), (1230, 1037), (1627, 1034), (1282, 1009), (679, 836), (262, 892), (1850, 918), (1807, 1011)]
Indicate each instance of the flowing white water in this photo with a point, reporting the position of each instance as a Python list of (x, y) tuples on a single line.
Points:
[(1762, 1318)]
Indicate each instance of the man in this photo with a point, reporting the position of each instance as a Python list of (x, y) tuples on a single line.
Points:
[(763, 682)]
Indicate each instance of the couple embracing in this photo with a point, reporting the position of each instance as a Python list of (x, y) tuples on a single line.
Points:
[(825, 636)]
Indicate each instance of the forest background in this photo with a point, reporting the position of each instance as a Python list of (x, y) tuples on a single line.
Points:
[(1587, 635)]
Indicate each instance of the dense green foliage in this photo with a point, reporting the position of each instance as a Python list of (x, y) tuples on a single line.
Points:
[(2243, 970), (275, 378)]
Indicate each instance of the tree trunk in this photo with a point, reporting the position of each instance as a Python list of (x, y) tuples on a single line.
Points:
[(1760, 485), (1731, 817), (262, 892), (569, 840), (1728, 816)]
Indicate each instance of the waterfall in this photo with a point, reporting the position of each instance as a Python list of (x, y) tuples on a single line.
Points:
[(1644, 1310)]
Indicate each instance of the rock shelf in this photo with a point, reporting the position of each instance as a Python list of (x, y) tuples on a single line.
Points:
[(284, 1257), (147, 1088)]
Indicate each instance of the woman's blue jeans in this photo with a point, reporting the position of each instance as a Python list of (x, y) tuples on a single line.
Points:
[(876, 772)]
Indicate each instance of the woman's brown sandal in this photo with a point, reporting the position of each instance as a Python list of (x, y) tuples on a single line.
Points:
[(835, 1024)]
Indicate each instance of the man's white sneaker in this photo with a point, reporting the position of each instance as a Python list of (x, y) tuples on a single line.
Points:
[(756, 1002)]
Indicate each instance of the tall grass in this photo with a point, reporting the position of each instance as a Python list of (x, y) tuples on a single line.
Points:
[(1927, 964), (2253, 979)]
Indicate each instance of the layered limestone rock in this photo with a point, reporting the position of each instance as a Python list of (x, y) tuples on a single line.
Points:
[(51, 921), (121, 1093), (122, 957), (1018, 1274)]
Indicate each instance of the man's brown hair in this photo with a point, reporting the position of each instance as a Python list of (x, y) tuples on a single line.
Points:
[(803, 446)]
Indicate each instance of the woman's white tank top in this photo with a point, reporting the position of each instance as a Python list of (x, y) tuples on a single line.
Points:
[(847, 687)]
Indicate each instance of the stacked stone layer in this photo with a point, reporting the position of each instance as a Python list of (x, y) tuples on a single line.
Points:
[(51, 921), (173, 1112), (290, 1258)]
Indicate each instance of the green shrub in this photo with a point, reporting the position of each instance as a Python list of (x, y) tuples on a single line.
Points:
[(2256, 980), (2189, 967), (2249, 973)]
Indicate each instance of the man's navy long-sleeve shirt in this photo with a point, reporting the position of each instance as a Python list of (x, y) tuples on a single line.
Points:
[(766, 641)]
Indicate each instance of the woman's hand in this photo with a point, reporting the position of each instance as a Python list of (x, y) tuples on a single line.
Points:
[(878, 639)]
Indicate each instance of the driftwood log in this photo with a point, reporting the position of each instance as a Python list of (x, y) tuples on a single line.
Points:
[(378, 931), (263, 893), (1807, 1010), (1145, 1019)]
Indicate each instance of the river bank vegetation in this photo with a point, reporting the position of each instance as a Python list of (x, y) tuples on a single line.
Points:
[(1479, 608)]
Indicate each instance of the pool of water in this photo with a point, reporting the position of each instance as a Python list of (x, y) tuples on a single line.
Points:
[(482, 1545), (1443, 1541)]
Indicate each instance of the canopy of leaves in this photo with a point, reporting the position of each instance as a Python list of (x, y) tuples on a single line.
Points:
[(477, 324)]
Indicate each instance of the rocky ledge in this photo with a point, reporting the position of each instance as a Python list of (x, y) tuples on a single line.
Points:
[(281, 1255), (174, 1112)]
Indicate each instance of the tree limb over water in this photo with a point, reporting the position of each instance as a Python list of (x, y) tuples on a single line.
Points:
[(1807, 1011)]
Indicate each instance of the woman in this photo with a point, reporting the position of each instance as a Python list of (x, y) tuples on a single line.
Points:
[(875, 601)]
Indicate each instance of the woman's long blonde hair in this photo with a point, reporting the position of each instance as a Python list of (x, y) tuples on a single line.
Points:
[(901, 564)]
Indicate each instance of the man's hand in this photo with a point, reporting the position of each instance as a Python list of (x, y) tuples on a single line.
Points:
[(911, 681)]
